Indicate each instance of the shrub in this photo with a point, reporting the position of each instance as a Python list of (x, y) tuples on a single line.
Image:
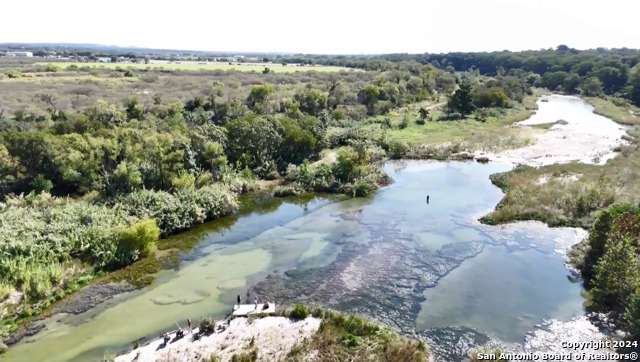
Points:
[(5, 290), (273, 175), (13, 73), (40, 184), (284, 191), (179, 211), (207, 326), (404, 123), (38, 231), (350, 340), (338, 114), (409, 352), (52, 68), (137, 240), (299, 312)]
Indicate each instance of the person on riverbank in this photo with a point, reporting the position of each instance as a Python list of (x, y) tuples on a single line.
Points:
[(255, 300), (189, 325), (239, 300)]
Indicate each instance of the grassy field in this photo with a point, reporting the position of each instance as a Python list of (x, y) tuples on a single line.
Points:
[(623, 112), (194, 66)]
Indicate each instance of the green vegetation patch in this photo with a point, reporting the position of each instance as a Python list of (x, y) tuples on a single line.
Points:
[(342, 336)]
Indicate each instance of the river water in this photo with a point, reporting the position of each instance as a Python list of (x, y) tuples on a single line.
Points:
[(426, 269), (393, 257)]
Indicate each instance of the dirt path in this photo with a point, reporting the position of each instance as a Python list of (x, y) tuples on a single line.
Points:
[(434, 106)]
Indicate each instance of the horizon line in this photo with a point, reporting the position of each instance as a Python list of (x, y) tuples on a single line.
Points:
[(135, 47)]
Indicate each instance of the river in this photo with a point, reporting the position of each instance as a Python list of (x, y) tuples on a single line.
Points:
[(426, 269)]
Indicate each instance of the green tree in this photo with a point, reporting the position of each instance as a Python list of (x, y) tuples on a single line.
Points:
[(126, 178), (312, 101), (297, 144), (461, 101), (369, 97), (40, 184), (424, 115), (10, 170), (214, 158), (493, 97), (254, 141), (591, 87), (259, 94), (134, 109), (613, 78), (571, 83), (617, 274), (632, 313), (634, 82)]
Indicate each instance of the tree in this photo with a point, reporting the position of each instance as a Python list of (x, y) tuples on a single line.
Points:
[(253, 141), (424, 114), (613, 79), (591, 87), (134, 109), (617, 274), (312, 101), (494, 97), (554, 80), (634, 94), (369, 97), (632, 313), (259, 94), (461, 101), (40, 184), (571, 83), (297, 144)]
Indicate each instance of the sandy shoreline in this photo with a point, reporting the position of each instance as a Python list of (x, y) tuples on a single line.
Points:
[(272, 336)]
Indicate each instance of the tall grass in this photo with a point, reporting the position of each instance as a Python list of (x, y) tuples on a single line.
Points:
[(41, 236)]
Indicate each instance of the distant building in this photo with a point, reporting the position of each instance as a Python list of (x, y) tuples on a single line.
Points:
[(104, 60), (19, 54)]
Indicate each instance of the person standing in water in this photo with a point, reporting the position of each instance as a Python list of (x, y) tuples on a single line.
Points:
[(427, 199)]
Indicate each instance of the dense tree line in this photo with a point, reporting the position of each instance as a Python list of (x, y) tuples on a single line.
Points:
[(589, 72)]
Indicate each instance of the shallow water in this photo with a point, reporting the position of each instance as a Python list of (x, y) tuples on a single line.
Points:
[(584, 136), (392, 257)]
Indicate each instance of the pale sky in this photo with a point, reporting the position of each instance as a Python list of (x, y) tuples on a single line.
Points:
[(326, 26)]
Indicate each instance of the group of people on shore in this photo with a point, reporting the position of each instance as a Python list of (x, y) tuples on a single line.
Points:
[(180, 332)]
